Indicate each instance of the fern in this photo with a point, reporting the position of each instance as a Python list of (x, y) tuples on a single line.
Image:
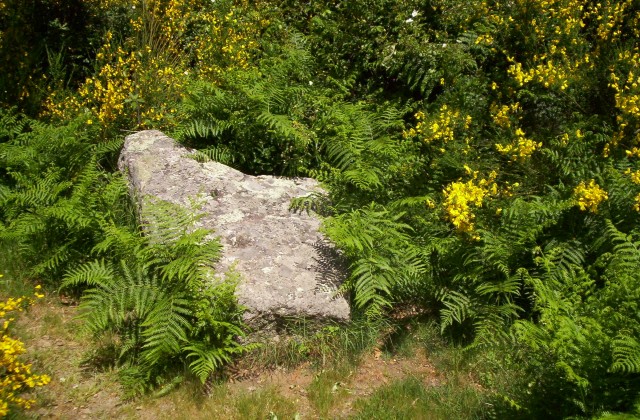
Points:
[(458, 307), (207, 355), (220, 154), (316, 201), (56, 195), (376, 242), (166, 328), (260, 121), (626, 354), (206, 359), (626, 257), (422, 65), (158, 297), (12, 124), (372, 279)]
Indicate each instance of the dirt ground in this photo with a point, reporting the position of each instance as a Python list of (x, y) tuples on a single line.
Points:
[(77, 391)]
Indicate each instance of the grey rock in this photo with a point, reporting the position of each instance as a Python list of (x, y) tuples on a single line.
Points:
[(287, 268)]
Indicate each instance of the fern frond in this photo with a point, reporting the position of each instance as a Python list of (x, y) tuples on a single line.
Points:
[(372, 279), (626, 354), (94, 273), (201, 129), (364, 179), (626, 257), (205, 359), (53, 260), (166, 328), (12, 124), (221, 154), (457, 308)]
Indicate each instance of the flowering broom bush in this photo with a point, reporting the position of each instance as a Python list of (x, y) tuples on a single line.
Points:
[(16, 377), (149, 54), (510, 202)]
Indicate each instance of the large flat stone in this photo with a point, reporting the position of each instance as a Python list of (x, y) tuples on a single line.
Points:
[(288, 268)]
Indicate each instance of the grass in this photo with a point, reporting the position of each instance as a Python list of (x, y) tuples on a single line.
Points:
[(298, 342), (264, 404), (472, 383), (411, 399), (223, 402), (362, 370), (13, 281), (327, 390)]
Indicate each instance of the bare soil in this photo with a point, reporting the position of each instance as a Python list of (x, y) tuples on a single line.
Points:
[(50, 331)]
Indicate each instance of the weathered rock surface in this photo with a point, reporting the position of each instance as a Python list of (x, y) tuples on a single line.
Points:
[(288, 269)]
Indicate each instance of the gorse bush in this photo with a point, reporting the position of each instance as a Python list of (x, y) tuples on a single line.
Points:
[(151, 49), (42, 42), (16, 377)]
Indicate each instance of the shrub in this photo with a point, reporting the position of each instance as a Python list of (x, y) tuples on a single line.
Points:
[(147, 56), (16, 377)]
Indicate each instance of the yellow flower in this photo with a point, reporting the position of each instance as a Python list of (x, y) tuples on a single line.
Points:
[(460, 197), (521, 149), (16, 377), (442, 126), (589, 196)]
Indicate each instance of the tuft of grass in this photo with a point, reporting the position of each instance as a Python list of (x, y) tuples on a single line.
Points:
[(473, 382), (445, 354), (13, 281), (324, 347), (266, 403), (327, 390), (222, 402), (410, 399)]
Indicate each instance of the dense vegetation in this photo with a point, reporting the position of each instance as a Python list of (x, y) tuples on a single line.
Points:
[(482, 161), (17, 376)]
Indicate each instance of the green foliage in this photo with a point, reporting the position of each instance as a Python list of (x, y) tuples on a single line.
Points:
[(538, 271), (411, 399), (265, 404), (480, 160), (55, 195), (44, 37), (327, 390), (152, 288), (257, 119), (156, 293), (581, 341), (373, 241)]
